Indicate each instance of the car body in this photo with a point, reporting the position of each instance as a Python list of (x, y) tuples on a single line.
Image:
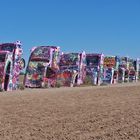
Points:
[(42, 67), (11, 65), (94, 67), (72, 69)]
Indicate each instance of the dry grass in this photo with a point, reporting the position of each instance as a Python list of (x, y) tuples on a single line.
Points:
[(21, 78)]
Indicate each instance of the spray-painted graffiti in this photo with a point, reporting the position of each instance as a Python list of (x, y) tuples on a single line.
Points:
[(110, 69), (128, 69), (131, 70), (109, 61), (42, 67), (94, 67), (72, 69), (47, 67), (137, 68), (11, 65)]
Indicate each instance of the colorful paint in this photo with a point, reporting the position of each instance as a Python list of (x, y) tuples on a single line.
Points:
[(110, 69), (72, 69), (94, 67), (131, 70), (137, 68), (127, 70), (109, 62), (11, 65), (42, 67)]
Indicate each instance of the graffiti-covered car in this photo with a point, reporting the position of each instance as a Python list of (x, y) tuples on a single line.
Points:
[(72, 69), (111, 64), (127, 70), (42, 67), (11, 64), (94, 68), (137, 68), (131, 70)]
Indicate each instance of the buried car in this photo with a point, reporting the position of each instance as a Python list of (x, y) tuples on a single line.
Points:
[(11, 64), (94, 68), (111, 64), (72, 69), (42, 67)]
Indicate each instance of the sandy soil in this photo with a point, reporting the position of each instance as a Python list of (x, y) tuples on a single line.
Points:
[(85, 113)]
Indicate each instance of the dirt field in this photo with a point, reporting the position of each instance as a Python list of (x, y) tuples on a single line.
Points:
[(85, 113)]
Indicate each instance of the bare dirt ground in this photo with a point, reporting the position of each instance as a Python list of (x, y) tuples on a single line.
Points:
[(80, 113)]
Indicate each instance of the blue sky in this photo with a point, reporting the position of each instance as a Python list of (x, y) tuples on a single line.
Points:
[(98, 26)]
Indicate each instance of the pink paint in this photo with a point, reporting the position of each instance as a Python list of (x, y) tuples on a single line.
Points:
[(11, 59)]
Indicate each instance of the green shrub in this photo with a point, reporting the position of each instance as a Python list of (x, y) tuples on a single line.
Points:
[(1, 85), (21, 87), (1, 89), (88, 81), (58, 84), (103, 84)]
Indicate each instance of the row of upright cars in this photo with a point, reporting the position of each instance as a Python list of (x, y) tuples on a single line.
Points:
[(49, 67)]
